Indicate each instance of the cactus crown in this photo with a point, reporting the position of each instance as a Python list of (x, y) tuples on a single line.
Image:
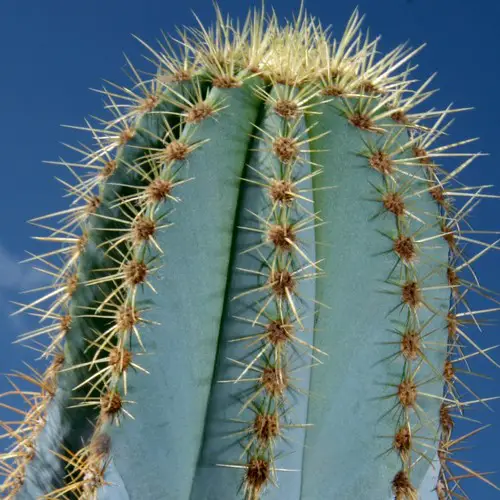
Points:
[(113, 242)]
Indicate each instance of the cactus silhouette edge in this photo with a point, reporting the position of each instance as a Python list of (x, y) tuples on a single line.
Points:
[(260, 287)]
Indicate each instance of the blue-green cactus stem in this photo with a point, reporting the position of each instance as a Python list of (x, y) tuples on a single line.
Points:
[(67, 428), (238, 401), (181, 349), (358, 413)]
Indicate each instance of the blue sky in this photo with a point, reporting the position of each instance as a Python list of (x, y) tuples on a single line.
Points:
[(52, 52)]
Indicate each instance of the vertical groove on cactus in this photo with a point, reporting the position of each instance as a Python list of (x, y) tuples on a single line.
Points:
[(260, 289), (209, 213), (258, 398)]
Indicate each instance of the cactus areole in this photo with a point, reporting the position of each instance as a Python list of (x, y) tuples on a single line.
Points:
[(258, 290)]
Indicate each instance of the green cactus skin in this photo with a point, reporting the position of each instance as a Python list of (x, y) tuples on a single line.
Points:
[(262, 288)]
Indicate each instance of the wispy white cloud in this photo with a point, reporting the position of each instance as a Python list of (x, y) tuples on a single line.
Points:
[(15, 276)]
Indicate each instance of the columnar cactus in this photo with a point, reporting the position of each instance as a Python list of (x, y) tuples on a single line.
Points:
[(260, 287)]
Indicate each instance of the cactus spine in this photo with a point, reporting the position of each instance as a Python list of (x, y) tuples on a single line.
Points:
[(269, 201)]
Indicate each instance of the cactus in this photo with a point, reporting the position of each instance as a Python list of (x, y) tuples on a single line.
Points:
[(260, 287)]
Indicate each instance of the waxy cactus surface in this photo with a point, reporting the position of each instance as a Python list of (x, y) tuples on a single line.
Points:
[(259, 289)]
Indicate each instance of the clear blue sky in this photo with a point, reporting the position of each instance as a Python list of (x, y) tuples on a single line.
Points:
[(51, 52)]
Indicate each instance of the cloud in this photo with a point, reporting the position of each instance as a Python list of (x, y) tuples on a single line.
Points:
[(15, 276)]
